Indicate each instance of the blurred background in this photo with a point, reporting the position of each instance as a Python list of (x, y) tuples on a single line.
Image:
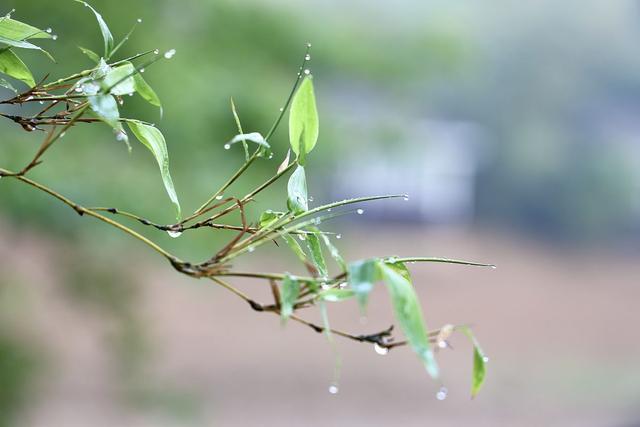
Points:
[(512, 125)]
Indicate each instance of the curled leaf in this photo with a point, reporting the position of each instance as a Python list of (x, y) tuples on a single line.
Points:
[(153, 139)]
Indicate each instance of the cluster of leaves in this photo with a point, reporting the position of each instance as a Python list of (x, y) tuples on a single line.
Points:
[(94, 95)]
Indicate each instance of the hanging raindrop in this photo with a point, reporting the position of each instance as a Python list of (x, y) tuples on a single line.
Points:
[(139, 20), (360, 211), (227, 146), (174, 233), (442, 393), (338, 236), (48, 30), (382, 351)]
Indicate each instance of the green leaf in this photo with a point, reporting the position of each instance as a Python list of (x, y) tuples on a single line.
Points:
[(335, 254), (316, 254), (13, 66), (253, 137), (153, 139), (119, 80), (408, 312), (297, 190), (91, 54), (104, 29), (336, 295), (268, 217), (362, 277), (146, 92), (24, 45), (288, 296), (106, 108), (479, 363), (303, 120), (5, 84), (16, 30), (295, 247)]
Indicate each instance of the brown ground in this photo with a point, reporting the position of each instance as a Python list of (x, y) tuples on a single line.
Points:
[(560, 328)]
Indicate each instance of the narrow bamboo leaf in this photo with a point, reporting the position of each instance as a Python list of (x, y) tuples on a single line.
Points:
[(104, 29), (119, 80), (13, 66), (253, 137), (284, 163), (362, 277), (106, 108), (303, 120), (153, 139), (336, 295), (268, 217), (240, 131), (479, 363), (295, 247), (335, 254), (297, 189), (146, 91), (316, 254), (5, 84), (408, 313), (16, 30), (288, 296), (25, 45), (91, 54)]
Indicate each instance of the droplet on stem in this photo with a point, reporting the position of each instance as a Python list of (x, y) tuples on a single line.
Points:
[(382, 351), (156, 51), (307, 72), (174, 233), (307, 57), (219, 197), (48, 30), (405, 197)]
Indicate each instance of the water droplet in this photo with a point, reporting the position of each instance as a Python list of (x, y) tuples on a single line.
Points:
[(48, 30), (392, 260), (338, 236), (169, 54), (121, 136), (78, 89), (120, 101), (302, 236), (405, 197), (251, 249), (8, 15), (329, 210), (311, 198), (131, 94), (360, 211), (270, 156), (156, 51), (281, 109), (307, 57), (485, 359), (139, 20), (142, 70), (324, 286), (333, 389), (227, 146), (442, 393), (493, 267), (308, 44), (62, 134), (307, 71), (382, 351), (219, 197), (442, 344), (174, 233), (40, 102), (54, 37)]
